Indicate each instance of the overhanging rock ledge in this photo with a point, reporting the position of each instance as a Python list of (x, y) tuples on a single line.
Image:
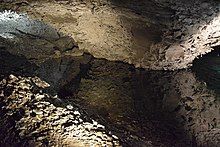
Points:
[(156, 34)]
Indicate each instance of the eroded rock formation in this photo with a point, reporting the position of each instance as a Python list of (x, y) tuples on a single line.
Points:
[(30, 117), (157, 34), (154, 108)]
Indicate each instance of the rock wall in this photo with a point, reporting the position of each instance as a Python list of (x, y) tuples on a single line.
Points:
[(178, 110), (30, 117), (141, 107), (198, 108), (157, 34)]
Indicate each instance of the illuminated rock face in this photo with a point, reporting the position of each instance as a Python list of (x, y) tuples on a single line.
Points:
[(38, 121), (149, 108), (159, 34), (154, 35), (144, 102)]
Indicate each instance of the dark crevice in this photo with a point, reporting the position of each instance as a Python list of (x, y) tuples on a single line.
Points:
[(71, 88), (207, 69)]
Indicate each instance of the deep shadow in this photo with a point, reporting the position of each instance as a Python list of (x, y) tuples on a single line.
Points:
[(136, 113), (136, 104), (14, 64), (207, 69), (129, 101)]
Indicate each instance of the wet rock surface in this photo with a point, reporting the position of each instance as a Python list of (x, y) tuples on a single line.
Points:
[(30, 117)]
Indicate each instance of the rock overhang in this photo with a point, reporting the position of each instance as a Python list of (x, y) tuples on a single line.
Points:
[(152, 35)]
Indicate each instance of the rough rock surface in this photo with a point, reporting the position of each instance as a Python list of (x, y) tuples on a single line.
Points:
[(30, 117), (156, 34), (153, 108), (198, 107), (32, 39), (168, 105), (143, 108)]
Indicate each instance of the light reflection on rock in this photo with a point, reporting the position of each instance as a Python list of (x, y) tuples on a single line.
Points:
[(167, 108), (153, 104)]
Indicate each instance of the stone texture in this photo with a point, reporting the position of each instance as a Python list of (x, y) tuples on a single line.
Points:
[(176, 102), (175, 108), (30, 118), (153, 108), (138, 32), (199, 109)]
